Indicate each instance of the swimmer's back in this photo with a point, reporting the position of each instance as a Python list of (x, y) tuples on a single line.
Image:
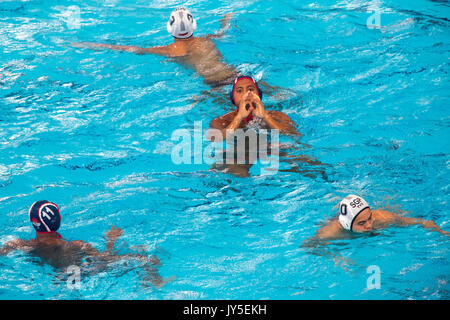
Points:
[(202, 55), (59, 254)]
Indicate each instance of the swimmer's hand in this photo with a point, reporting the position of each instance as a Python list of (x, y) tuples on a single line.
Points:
[(429, 224), (246, 107), (259, 110), (114, 233), (343, 262)]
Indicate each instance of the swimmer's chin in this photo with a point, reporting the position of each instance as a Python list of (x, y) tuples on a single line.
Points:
[(366, 234)]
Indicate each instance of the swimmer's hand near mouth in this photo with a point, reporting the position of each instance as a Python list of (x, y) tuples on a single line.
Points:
[(258, 107), (250, 100), (251, 104), (245, 108)]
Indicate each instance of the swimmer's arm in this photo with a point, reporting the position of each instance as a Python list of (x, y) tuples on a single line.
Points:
[(317, 245), (224, 125), (87, 248), (427, 224), (12, 245), (111, 237), (225, 25), (161, 50), (280, 121), (331, 230)]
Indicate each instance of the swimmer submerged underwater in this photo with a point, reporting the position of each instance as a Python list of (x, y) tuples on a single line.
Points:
[(90, 129)]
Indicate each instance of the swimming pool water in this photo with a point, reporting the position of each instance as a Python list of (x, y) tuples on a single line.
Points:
[(91, 131)]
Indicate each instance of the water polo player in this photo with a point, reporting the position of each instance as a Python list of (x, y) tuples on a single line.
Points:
[(199, 53), (250, 111), (52, 249), (355, 216)]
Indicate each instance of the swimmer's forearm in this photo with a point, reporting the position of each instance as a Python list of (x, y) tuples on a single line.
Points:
[(272, 123), (224, 27), (427, 224), (285, 128), (234, 124), (225, 21), (6, 249), (132, 49), (109, 247), (11, 246)]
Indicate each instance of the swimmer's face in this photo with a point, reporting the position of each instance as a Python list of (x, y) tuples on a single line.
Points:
[(242, 89), (363, 222)]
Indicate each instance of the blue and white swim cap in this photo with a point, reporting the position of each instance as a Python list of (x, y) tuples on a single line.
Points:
[(181, 24), (45, 216), (349, 208)]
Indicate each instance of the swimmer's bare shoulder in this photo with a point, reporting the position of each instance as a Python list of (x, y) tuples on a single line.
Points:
[(382, 218), (171, 50), (223, 121), (331, 230), (196, 45), (280, 116)]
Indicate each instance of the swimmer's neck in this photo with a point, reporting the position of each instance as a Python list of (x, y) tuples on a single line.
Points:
[(179, 41), (46, 236)]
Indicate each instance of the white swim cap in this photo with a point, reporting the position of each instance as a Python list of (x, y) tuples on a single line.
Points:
[(349, 208), (181, 23)]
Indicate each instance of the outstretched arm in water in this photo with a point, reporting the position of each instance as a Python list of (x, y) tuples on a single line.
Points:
[(150, 263), (319, 247), (161, 50), (427, 224), (16, 244)]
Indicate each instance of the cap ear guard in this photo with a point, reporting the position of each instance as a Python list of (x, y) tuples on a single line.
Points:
[(342, 219), (260, 94)]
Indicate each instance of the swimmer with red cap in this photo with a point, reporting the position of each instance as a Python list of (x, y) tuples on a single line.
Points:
[(52, 249), (250, 111)]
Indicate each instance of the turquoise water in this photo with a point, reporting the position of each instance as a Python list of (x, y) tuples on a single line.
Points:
[(91, 131)]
